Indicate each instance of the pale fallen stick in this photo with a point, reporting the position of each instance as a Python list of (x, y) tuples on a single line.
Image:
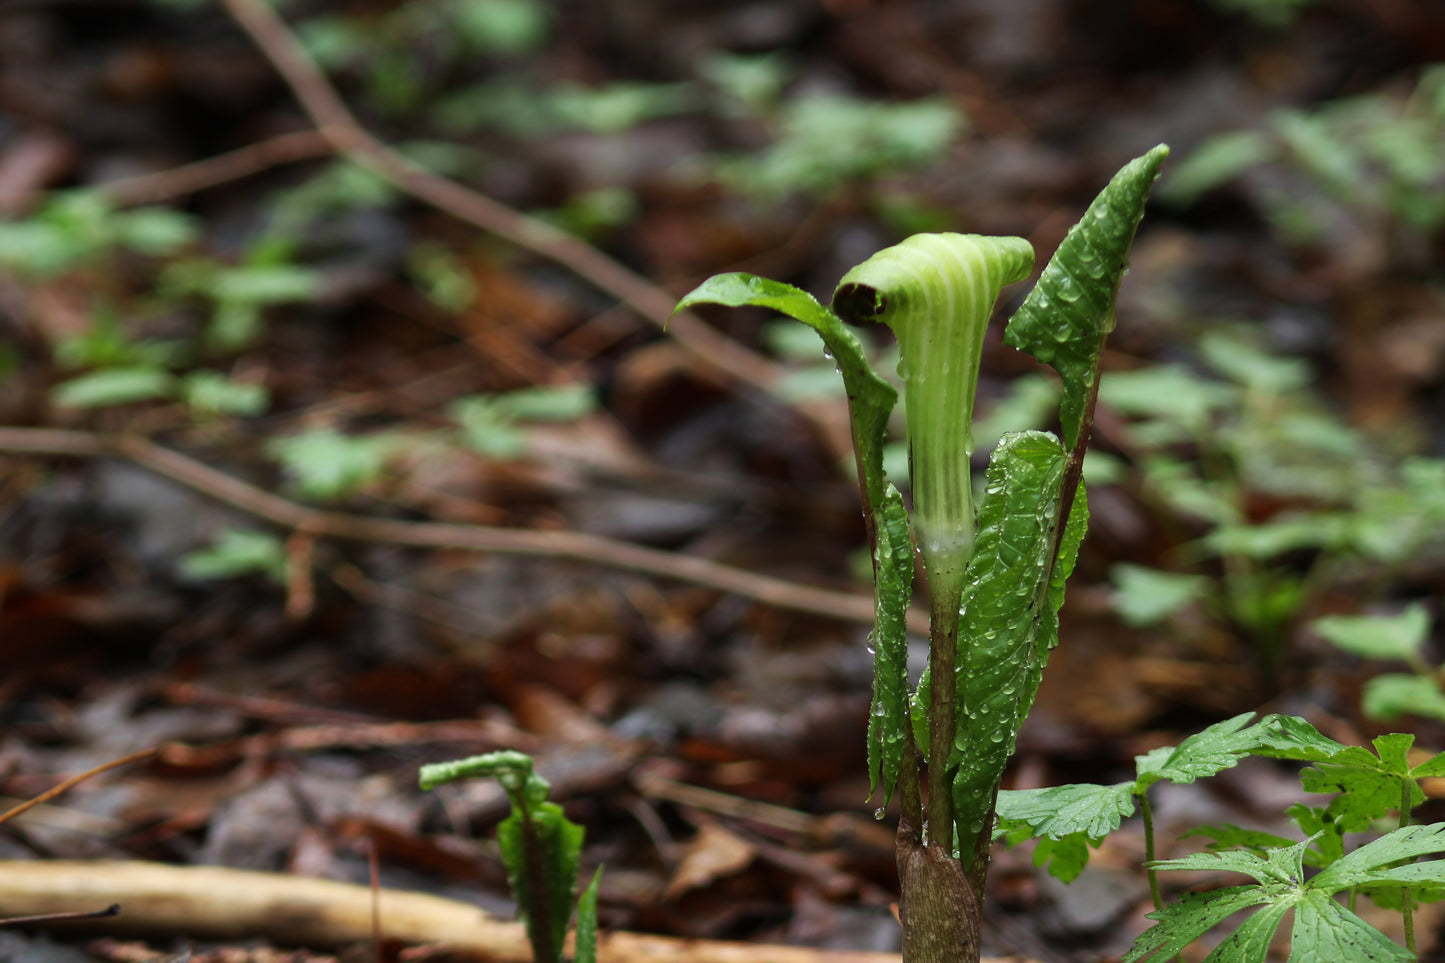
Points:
[(205, 902)]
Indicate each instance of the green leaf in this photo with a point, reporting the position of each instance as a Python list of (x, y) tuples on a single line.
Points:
[(511, 768), (1371, 784), (1146, 596), (540, 848), (827, 140), (1290, 737), (1059, 811), (586, 948), (1065, 318), (1371, 862), (1277, 870), (1378, 636), (262, 284), (1183, 922), (212, 393), (1326, 831), (549, 403), (1205, 753), (1326, 932), (888, 722), (113, 386), (1230, 836), (501, 26), (1065, 857), (1250, 941), (1167, 393), (1247, 365), (1395, 694), (235, 553), (1216, 161), (155, 231), (1009, 622), (329, 465), (870, 398)]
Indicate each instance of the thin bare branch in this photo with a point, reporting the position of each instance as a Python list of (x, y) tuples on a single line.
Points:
[(336, 123), (73, 781), (213, 171), (575, 546)]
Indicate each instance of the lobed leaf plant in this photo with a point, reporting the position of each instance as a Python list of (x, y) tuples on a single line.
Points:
[(996, 574), (1305, 877)]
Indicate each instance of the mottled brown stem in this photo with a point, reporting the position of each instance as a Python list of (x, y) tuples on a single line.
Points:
[(940, 915)]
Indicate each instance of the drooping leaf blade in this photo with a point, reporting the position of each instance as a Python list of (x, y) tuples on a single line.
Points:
[(870, 398), (1009, 622), (888, 721), (1065, 318)]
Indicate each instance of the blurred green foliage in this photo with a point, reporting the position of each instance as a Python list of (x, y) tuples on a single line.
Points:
[(1373, 162)]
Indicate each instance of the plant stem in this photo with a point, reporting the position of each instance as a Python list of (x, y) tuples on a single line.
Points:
[(1147, 812), (1407, 910), (943, 709)]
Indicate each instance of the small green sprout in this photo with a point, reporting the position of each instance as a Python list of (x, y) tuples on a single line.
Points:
[(541, 848)]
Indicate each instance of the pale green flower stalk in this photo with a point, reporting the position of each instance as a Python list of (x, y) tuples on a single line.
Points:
[(936, 291)]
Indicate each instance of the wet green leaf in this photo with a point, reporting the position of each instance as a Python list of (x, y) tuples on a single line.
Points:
[(1065, 318)]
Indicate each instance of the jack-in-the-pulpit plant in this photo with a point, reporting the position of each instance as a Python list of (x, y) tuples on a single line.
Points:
[(995, 575)]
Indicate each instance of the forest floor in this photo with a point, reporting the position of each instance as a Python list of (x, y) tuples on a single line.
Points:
[(310, 476)]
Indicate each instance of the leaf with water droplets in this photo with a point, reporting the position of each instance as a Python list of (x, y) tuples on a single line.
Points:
[(870, 398), (1064, 319), (888, 722), (1009, 621)]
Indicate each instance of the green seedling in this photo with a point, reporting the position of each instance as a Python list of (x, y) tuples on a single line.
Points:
[(1209, 445), (1368, 786), (1394, 638), (540, 848), (1362, 167), (995, 581)]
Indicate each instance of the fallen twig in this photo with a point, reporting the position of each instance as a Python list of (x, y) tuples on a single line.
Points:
[(73, 781), (223, 168), (71, 917), (207, 902), (576, 546), (339, 126)]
